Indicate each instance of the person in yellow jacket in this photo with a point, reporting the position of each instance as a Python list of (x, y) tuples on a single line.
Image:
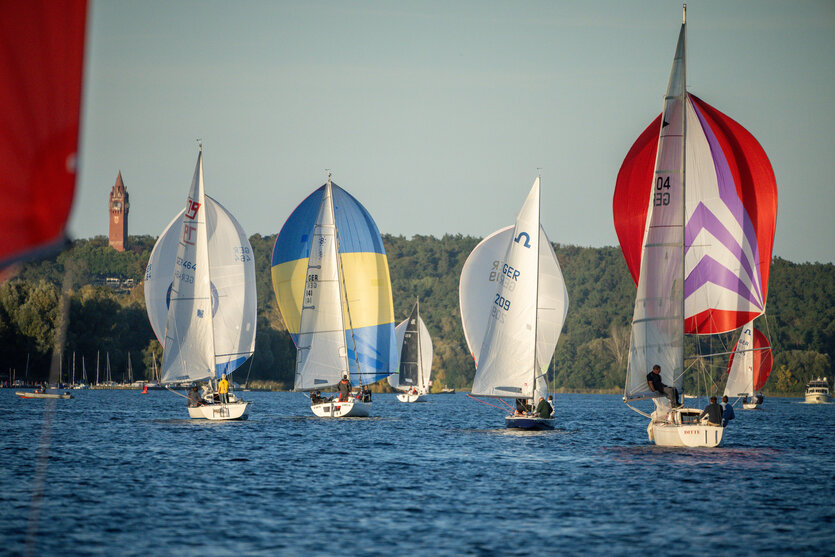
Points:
[(223, 389)]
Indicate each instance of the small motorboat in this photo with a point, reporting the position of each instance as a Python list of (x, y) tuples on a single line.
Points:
[(44, 394)]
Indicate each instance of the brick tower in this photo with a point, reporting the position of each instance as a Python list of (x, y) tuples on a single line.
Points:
[(119, 206)]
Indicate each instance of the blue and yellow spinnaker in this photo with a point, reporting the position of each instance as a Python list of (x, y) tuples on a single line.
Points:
[(367, 308)]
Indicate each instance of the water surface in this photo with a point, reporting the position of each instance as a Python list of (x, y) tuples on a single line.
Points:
[(130, 474)]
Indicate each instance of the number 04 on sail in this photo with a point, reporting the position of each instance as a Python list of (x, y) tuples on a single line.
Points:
[(694, 210)]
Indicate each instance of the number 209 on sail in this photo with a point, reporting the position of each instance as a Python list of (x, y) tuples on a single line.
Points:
[(502, 302)]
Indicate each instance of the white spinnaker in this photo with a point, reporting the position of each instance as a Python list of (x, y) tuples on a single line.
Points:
[(322, 352), (425, 367), (232, 279), (232, 268), (159, 275), (741, 375), (657, 321), (508, 364), (479, 278), (189, 353)]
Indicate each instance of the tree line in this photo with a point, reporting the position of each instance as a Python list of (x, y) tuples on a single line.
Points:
[(109, 319)]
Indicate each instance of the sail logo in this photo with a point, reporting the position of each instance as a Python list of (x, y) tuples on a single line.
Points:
[(527, 236), (191, 210)]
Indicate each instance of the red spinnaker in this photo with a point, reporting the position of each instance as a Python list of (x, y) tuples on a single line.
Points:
[(753, 179)]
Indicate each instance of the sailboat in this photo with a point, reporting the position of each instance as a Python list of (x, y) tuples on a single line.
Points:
[(331, 279), (694, 209), (201, 299), (513, 305), (415, 358), (749, 367)]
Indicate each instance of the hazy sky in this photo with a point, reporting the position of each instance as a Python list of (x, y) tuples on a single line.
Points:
[(437, 115)]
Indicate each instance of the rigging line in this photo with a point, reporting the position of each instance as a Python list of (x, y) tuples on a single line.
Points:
[(487, 403), (246, 383)]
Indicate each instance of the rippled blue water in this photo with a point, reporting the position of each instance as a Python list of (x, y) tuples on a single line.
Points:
[(128, 474)]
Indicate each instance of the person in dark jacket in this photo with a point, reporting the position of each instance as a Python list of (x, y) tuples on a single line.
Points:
[(522, 407), (657, 386), (344, 388), (543, 409), (713, 412), (728, 412), (194, 398)]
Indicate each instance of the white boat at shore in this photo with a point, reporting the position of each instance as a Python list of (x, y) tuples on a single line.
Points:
[(46, 394), (817, 391)]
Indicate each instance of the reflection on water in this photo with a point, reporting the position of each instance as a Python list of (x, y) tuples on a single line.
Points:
[(133, 475)]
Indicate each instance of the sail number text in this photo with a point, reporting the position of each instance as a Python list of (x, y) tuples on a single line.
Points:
[(186, 264), (661, 197), (502, 302)]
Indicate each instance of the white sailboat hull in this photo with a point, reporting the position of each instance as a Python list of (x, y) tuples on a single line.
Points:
[(750, 405), (411, 397), (353, 408), (818, 398), (667, 430), (229, 411), (25, 394)]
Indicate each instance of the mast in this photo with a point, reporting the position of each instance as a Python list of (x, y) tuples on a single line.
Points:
[(536, 298), (419, 352), (203, 245), (342, 288), (683, 173)]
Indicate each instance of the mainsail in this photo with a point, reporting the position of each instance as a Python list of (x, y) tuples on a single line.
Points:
[(41, 67), (200, 290), (415, 353), (367, 305), (750, 363), (513, 305), (699, 254)]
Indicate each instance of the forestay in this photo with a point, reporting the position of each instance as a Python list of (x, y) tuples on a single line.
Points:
[(200, 290)]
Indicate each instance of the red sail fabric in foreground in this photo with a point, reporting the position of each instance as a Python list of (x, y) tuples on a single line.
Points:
[(731, 211), (41, 63)]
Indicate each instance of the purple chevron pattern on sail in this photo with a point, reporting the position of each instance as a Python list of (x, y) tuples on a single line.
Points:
[(721, 250)]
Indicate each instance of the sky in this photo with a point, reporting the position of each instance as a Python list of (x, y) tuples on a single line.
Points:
[(438, 116)]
